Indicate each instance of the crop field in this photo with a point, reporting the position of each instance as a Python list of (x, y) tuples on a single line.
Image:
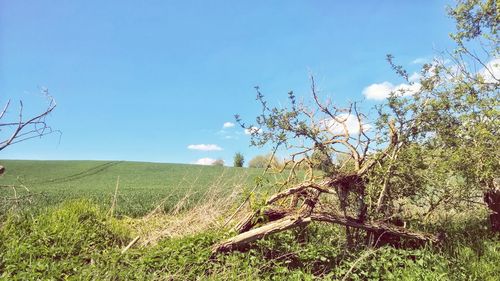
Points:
[(141, 186)]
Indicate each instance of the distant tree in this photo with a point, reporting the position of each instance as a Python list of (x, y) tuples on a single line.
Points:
[(218, 162), (262, 161), (238, 159)]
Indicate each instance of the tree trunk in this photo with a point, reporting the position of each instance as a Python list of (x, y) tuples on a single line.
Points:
[(492, 199), (243, 239)]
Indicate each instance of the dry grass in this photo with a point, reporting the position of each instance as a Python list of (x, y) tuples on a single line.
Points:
[(208, 213)]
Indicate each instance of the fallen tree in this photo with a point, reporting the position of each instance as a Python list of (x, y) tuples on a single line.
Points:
[(280, 219), (325, 130)]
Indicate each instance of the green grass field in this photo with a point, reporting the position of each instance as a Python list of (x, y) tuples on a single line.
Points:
[(65, 231), (142, 186)]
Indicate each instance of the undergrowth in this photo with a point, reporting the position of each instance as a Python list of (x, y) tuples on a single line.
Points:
[(77, 240)]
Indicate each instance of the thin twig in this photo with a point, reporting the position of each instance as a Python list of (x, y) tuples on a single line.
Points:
[(113, 205), (130, 244)]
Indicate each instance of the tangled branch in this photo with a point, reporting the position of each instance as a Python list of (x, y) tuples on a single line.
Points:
[(25, 128)]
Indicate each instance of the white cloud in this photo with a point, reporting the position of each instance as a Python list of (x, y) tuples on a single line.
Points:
[(205, 161), (204, 147), (228, 125), (420, 61), (252, 130), (491, 71), (414, 77), (378, 91), (383, 90), (350, 121)]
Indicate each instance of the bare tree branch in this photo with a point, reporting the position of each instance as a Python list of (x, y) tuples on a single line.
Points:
[(26, 129)]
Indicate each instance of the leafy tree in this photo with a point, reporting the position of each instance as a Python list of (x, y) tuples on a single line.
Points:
[(450, 127), (238, 160), (436, 148)]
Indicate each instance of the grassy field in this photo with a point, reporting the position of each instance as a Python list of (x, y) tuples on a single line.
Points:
[(141, 187), (65, 231)]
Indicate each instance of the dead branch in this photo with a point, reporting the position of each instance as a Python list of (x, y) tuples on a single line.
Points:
[(268, 214), (22, 129), (322, 187), (375, 227)]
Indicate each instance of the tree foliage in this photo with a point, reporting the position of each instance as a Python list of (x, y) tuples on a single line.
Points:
[(450, 127), (238, 160), (433, 148)]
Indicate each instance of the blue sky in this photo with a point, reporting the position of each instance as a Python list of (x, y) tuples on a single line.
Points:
[(148, 80)]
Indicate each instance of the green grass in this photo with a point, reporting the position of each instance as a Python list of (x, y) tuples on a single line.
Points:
[(78, 241), (142, 186), (65, 232)]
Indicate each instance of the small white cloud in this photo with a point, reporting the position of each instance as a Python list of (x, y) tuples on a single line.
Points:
[(420, 61), (351, 124), (205, 161), (253, 130), (383, 90), (204, 147), (378, 91), (491, 72), (228, 125)]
